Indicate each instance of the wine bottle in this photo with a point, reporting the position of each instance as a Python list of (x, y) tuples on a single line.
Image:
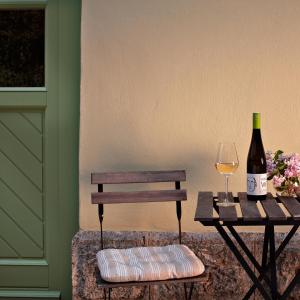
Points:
[(256, 164)]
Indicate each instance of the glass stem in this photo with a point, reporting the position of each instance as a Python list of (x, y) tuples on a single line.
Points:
[(226, 188)]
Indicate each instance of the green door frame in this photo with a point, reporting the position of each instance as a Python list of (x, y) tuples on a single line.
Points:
[(60, 100)]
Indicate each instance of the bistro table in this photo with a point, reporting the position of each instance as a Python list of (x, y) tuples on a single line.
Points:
[(251, 216)]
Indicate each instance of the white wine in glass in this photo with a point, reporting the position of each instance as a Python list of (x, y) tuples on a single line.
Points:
[(226, 168), (226, 164)]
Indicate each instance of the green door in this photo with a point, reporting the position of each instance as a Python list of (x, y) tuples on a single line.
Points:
[(39, 156)]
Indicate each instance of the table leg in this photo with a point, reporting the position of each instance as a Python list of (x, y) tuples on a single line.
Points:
[(291, 286), (264, 259), (277, 253), (273, 264), (264, 262), (242, 261), (250, 255)]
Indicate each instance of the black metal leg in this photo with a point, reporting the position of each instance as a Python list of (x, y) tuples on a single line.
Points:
[(273, 264), (185, 291), (291, 286), (249, 254), (241, 259), (277, 254), (191, 291), (264, 259), (264, 262), (104, 294), (286, 240)]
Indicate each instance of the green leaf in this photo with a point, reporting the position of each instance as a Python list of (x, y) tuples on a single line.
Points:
[(281, 166), (277, 153)]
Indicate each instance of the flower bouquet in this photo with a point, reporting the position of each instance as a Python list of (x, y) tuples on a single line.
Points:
[(284, 171)]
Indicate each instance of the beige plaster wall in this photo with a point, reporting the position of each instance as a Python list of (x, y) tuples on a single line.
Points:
[(164, 80)]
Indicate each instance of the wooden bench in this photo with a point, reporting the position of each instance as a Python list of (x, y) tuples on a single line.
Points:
[(102, 198)]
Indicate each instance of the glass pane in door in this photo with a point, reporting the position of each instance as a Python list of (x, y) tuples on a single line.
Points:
[(22, 48)]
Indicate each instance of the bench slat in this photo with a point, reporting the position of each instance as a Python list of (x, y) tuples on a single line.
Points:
[(140, 196), (138, 177), (105, 284)]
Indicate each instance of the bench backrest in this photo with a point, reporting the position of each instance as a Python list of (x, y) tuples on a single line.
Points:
[(102, 197)]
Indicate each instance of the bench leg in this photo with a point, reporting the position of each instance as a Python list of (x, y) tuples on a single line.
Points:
[(105, 293), (188, 296), (185, 291), (191, 291)]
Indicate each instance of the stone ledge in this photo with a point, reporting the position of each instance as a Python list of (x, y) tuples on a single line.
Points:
[(224, 278)]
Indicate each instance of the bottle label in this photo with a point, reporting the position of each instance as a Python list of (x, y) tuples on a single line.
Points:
[(257, 184)]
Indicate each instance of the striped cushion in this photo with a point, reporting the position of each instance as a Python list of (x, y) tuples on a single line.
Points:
[(148, 263)]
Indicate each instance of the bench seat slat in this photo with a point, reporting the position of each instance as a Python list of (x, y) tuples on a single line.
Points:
[(137, 177), (104, 284), (140, 196)]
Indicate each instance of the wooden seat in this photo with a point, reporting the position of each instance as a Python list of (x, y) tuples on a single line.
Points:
[(100, 198)]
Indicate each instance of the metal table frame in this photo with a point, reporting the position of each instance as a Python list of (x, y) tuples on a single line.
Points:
[(269, 254)]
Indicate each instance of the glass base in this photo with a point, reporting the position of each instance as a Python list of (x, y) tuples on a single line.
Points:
[(226, 204)]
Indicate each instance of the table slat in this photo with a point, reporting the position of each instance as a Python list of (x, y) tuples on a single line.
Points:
[(204, 210), (292, 205), (227, 213), (272, 209), (249, 209)]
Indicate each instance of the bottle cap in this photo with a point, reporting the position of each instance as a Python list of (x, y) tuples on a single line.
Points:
[(256, 120)]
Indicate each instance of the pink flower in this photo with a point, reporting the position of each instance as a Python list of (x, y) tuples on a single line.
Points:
[(270, 167), (278, 180), (270, 163), (269, 155), (284, 171), (293, 166)]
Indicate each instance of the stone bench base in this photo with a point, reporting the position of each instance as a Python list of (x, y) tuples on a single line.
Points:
[(224, 278)]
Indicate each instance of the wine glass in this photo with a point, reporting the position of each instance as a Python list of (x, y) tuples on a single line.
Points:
[(226, 164)]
